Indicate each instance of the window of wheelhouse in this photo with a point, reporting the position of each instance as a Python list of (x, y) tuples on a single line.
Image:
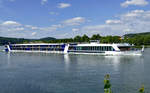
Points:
[(124, 48), (72, 48)]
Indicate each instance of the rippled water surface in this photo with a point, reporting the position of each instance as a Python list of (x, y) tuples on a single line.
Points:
[(58, 73)]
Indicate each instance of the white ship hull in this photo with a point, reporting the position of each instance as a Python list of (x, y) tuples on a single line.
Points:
[(114, 53), (90, 49)]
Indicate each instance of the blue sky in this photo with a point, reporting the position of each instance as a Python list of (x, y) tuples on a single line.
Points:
[(68, 18)]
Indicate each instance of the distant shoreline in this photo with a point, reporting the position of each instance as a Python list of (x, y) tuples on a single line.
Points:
[(138, 39)]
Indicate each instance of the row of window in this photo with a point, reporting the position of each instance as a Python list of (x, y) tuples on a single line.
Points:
[(35, 46), (93, 48), (39, 49)]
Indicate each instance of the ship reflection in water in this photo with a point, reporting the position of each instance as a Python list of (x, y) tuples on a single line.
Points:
[(115, 61)]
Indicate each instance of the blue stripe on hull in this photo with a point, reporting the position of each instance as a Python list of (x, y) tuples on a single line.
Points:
[(6, 50)]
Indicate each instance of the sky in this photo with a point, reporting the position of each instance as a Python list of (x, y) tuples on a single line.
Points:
[(69, 18)]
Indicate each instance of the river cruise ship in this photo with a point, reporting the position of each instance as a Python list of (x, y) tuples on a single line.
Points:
[(94, 48)]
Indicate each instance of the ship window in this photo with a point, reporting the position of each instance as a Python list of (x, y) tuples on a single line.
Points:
[(107, 48), (99, 48), (35, 46), (76, 48), (43, 45), (83, 48), (23, 46), (89, 48), (92, 48), (79, 48), (110, 48), (71, 48), (95, 48), (124, 48), (86, 48), (29, 45), (102, 48)]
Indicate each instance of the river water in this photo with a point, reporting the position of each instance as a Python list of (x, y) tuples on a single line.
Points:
[(58, 73)]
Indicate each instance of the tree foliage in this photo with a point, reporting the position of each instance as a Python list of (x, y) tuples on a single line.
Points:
[(136, 39)]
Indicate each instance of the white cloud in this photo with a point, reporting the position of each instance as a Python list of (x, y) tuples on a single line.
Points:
[(15, 29), (75, 29), (51, 28), (11, 23), (128, 30), (135, 21), (136, 14), (131, 22), (63, 5), (33, 33), (113, 29), (64, 35), (19, 29), (112, 21), (28, 26), (74, 21), (57, 26), (31, 27), (134, 2), (44, 1)]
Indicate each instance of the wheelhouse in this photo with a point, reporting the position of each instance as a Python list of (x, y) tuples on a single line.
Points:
[(125, 48)]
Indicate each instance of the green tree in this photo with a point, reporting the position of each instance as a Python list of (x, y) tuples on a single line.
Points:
[(96, 37), (116, 39), (139, 40), (77, 39), (147, 40), (85, 38)]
